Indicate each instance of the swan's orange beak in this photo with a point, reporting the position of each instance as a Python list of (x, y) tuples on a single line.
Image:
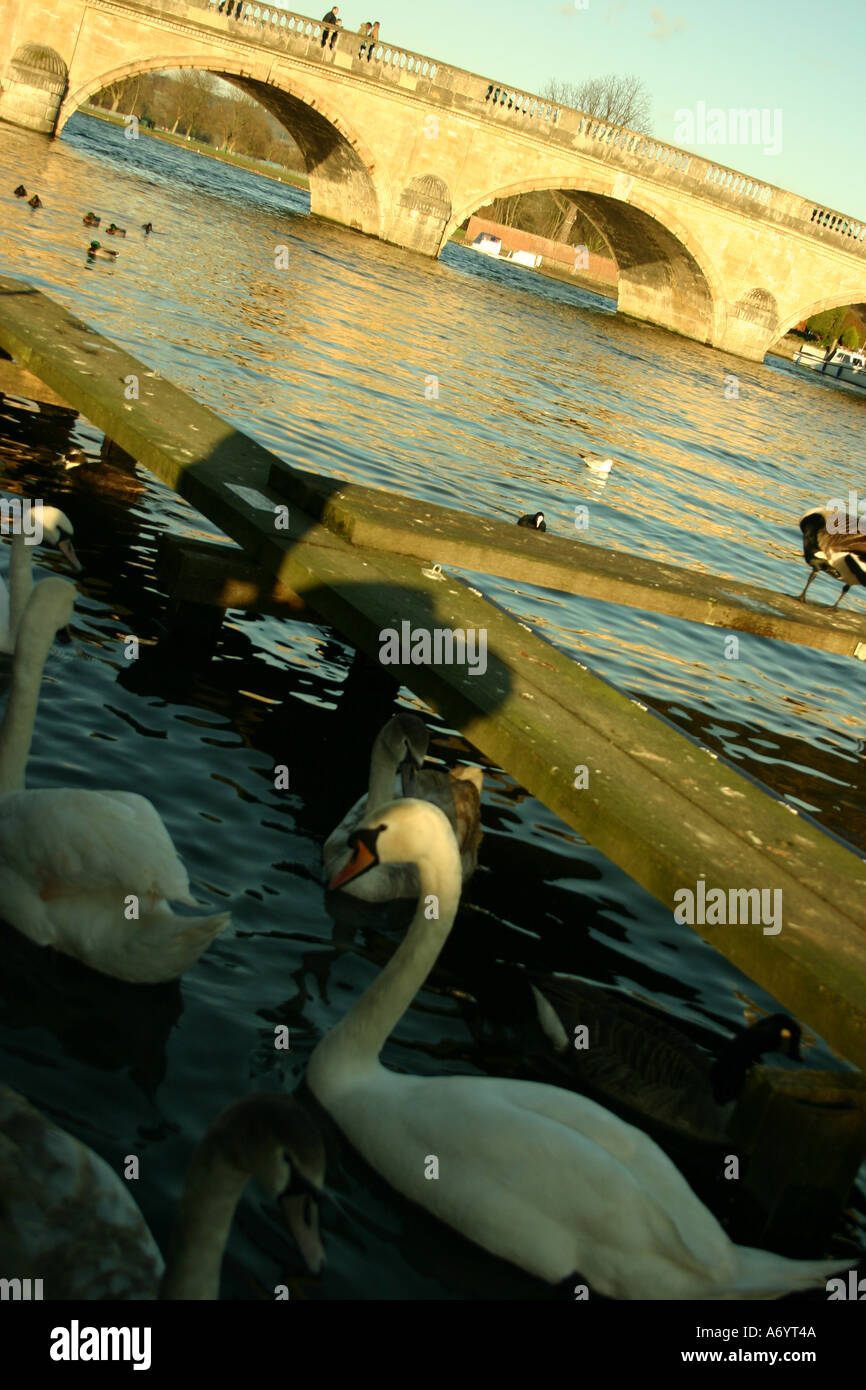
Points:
[(361, 860), (68, 549)]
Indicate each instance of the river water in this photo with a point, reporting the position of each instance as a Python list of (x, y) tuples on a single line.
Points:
[(327, 362)]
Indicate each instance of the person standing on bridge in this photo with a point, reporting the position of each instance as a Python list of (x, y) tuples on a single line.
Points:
[(373, 40), (331, 18)]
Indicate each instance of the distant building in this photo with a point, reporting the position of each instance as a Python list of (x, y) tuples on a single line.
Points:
[(600, 268)]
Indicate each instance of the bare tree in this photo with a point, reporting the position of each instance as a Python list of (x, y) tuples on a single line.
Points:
[(234, 120), (622, 100), (189, 95), (111, 96)]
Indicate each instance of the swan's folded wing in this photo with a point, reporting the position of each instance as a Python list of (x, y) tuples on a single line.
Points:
[(648, 1166), (67, 840)]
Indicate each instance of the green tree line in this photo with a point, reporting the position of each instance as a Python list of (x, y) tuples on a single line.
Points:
[(845, 326)]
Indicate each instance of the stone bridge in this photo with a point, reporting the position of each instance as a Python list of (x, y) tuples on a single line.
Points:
[(404, 148)]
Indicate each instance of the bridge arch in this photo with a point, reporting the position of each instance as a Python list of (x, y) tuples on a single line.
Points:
[(818, 306), (339, 164), (665, 274)]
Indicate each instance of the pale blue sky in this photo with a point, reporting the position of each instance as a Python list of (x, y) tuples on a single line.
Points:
[(804, 58)]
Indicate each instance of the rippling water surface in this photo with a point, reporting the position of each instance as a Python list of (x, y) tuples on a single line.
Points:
[(325, 363)]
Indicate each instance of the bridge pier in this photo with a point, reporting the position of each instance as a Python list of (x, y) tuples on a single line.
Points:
[(421, 215), (34, 88)]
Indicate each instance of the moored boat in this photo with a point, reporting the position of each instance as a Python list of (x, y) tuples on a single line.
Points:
[(842, 365)]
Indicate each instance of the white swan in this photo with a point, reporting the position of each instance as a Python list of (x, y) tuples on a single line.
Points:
[(88, 872), (68, 1219), (400, 748), (403, 738), (57, 531), (539, 1176)]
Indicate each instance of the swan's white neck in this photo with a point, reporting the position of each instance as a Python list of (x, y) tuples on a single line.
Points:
[(383, 768), (16, 731), (355, 1043), (20, 581), (212, 1192)]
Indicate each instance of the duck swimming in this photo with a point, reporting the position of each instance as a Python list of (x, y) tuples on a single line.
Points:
[(147, 228), (91, 220), (35, 201), (20, 191), (96, 250), (536, 521), (114, 230)]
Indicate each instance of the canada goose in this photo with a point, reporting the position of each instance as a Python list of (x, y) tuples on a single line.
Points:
[(631, 1056), (91, 873), (536, 521), (540, 1176), (68, 1218), (841, 554)]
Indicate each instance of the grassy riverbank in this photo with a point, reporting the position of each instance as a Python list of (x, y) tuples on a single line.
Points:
[(254, 166)]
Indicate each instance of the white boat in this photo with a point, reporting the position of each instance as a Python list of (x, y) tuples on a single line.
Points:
[(488, 245), (524, 258), (843, 365)]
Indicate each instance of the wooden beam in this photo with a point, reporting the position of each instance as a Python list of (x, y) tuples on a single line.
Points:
[(387, 521), (17, 381)]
